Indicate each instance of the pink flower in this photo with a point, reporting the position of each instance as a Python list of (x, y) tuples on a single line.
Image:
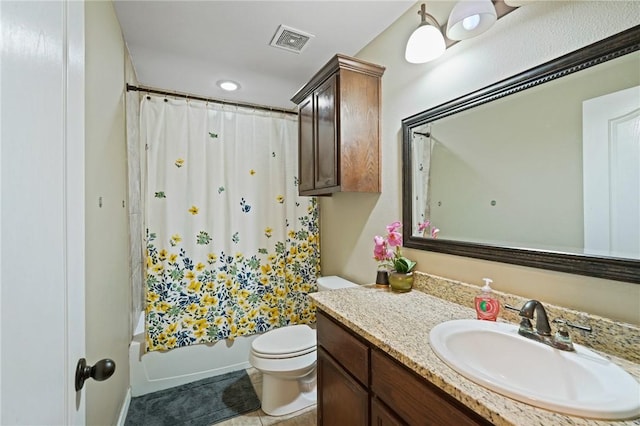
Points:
[(393, 227), (423, 225), (426, 227), (387, 249), (394, 239), (380, 251)]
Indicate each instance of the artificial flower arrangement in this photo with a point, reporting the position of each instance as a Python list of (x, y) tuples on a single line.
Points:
[(387, 249)]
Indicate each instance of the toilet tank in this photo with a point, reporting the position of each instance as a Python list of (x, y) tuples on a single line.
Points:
[(333, 283)]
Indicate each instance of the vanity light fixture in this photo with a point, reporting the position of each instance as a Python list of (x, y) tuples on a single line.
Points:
[(426, 42), (228, 85), (470, 18)]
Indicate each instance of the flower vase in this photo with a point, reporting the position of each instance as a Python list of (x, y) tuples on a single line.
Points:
[(400, 282), (382, 278)]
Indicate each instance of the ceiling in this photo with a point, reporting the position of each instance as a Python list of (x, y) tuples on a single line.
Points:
[(187, 46)]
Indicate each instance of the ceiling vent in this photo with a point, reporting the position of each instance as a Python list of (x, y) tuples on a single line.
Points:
[(290, 39)]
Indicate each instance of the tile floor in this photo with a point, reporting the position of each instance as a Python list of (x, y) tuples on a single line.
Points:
[(306, 417)]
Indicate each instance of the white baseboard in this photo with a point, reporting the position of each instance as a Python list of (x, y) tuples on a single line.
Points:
[(125, 408)]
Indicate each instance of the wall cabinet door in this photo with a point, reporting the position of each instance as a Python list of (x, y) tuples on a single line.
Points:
[(306, 145), (341, 400), (326, 158)]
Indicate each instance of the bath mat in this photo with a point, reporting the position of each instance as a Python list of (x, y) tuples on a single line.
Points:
[(200, 403)]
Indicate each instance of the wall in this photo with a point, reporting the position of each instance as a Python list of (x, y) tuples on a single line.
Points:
[(108, 294), (530, 35)]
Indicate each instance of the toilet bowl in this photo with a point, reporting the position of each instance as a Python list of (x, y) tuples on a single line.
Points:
[(286, 357)]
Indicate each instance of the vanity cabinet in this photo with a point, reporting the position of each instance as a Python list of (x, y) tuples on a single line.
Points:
[(358, 384), (339, 128)]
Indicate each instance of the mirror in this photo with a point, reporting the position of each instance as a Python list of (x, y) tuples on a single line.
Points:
[(541, 169)]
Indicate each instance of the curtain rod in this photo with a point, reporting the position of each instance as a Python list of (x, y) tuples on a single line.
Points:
[(211, 100)]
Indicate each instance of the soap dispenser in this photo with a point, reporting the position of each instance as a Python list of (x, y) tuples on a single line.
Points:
[(487, 306)]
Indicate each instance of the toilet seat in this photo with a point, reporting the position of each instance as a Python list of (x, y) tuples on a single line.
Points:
[(283, 356), (285, 342)]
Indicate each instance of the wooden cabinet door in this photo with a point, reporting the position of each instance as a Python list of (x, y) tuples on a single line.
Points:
[(306, 151), (341, 400), (382, 416), (326, 154)]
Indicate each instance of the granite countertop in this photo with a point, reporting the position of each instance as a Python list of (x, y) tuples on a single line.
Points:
[(399, 324)]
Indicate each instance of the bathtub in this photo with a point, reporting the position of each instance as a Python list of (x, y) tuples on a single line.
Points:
[(158, 370)]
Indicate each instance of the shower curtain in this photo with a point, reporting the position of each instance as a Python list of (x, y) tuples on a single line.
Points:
[(232, 250), (422, 148)]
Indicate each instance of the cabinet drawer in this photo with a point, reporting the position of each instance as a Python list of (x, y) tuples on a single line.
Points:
[(350, 352), (415, 400)]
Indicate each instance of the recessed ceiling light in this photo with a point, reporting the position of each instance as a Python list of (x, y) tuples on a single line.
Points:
[(228, 85)]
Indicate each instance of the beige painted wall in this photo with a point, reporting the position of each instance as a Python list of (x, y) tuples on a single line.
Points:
[(108, 294), (530, 35)]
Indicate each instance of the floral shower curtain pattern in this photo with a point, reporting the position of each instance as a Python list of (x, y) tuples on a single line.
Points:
[(232, 250), (422, 150)]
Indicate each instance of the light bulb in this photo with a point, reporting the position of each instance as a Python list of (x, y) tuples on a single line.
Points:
[(470, 18), (228, 85), (471, 22)]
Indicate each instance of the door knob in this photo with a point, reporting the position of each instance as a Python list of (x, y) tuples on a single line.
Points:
[(101, 371)]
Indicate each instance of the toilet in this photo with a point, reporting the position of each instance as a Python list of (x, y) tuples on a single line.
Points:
[(286, 357)]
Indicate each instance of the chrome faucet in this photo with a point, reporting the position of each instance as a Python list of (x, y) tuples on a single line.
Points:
[(542, 333), (542, 321)]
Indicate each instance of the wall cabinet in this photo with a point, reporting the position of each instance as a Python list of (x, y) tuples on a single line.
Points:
[(339, 128), (358, 384)]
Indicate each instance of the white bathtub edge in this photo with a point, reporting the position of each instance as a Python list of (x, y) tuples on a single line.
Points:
[(156, 385), (156, 371)]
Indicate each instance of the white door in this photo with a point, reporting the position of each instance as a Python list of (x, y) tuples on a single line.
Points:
[(41, 212), (611, 160)]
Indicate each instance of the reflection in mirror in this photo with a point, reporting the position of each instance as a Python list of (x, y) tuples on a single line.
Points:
[(522, 186), (548, 176)]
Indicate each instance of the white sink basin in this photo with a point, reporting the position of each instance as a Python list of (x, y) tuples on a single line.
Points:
[(494, 355)]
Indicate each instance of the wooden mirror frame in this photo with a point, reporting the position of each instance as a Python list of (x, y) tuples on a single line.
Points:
[(620, 269)]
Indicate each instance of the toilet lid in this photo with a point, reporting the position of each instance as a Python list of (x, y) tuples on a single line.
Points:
[(286, 340)]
